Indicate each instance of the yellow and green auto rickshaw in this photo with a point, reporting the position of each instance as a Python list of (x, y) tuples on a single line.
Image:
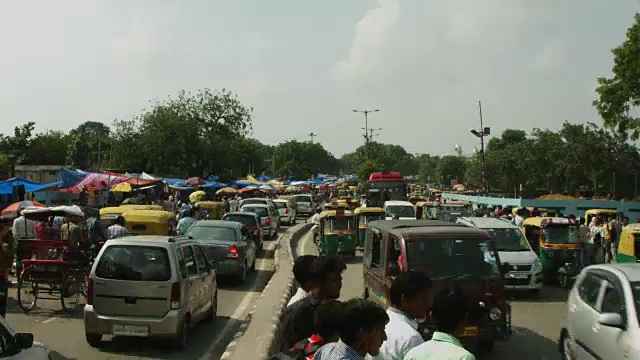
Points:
[(422, 209), (363, 216), (415, 199), (210, 210), (629, 246), (589, 214), (335, 206), (558, 245), (337, 233), (150, 222)]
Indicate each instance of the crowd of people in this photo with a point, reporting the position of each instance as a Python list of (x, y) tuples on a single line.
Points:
[(316, 325)]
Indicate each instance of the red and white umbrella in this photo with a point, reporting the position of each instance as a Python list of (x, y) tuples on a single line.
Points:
[(13, 208)]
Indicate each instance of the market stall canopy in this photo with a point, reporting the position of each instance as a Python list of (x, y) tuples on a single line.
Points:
[(7, 186), (248, 189), (122, 187), (268, 187), (196, 196), (44, 213), (226, 191), (13, 208), (195, 181)]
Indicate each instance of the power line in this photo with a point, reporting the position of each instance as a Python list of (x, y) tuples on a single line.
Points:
[(371, 133)]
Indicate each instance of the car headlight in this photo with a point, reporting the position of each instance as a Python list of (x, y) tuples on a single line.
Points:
[(495, 314), (536, 266)]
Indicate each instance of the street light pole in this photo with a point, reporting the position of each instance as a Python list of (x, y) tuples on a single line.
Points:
[(366, 126), (484, 131)]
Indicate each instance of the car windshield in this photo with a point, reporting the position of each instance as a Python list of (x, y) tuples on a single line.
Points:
[(247, 220), (508, 239), (401, 211), (135, 263), (303, 199), (212, 233), (281, 204), (453, 258), (561, 234), (260, 211), (343, 223)]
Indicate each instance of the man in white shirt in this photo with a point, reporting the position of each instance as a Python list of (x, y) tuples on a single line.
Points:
[(301, 274), (315, 220), (519, 219), (408, 298), (23, 228)]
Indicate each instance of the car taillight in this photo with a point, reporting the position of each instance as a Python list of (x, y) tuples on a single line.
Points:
[(268, 221), (89, 291), (286, 210), (175, 295), (233, 253)]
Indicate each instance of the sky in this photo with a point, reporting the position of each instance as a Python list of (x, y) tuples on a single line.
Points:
[(304, 66)]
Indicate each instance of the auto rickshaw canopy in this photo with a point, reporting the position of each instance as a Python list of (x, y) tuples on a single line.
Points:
[(542, 221), (368, 210), (209, 205), (141, 207), (148, 216), (333, 213)]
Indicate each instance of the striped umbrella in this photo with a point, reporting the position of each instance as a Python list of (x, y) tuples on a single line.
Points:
[(13, 208)]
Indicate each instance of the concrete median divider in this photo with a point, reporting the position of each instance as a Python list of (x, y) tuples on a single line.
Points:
[(257, 336)]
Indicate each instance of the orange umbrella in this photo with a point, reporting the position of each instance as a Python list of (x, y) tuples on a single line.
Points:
[(13, 208)]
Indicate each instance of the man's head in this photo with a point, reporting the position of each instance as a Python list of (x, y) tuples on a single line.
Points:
[(409, 293), (301, 268), (328, 320), (325, 277), (119, 220), (363, 324), (449, 310)]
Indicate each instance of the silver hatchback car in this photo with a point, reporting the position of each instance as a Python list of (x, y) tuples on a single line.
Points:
[(150, 286)]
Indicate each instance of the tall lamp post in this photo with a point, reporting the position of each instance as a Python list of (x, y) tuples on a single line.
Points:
[(366, 124), (481, 133)]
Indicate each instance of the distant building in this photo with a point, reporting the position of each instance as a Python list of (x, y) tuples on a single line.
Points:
[(39, 173)]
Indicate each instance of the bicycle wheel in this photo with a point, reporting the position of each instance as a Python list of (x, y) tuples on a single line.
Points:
[(27, 291), (71, 291)]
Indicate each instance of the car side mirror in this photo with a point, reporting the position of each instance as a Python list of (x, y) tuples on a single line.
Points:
[(23, 340), (505, 267), (611, 320)]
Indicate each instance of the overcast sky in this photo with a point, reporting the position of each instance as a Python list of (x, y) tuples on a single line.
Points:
[(305, 65)]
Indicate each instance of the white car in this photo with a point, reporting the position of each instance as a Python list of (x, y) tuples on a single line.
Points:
[(286, 210), (514, 249), (602, 314), (402, 209)]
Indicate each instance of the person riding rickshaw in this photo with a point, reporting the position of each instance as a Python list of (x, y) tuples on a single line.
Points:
[(454, 256), (363, 216), (629, 247), (211, 210), (337, 233), (558, 244), (150, 222)]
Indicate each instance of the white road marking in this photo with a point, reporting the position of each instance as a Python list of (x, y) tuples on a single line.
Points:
[(240, 310), (49, 320)]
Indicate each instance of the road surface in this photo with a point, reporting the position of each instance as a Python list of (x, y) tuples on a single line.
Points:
[(64, 334), (536, 321)]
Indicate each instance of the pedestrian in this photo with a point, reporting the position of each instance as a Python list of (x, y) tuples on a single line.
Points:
[(186, 220), (408, 303), (169, 205), (361, 334), (301, 268), (225, 204), (95, 231), (328, 322), (612, 238), (325, 283), (233, 204), (449, 311), (117, 230)]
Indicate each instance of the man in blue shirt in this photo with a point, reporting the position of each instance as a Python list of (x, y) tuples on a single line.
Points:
[(185, 222)]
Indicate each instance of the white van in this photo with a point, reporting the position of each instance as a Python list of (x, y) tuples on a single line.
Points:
[(513, 248), (402, 209)]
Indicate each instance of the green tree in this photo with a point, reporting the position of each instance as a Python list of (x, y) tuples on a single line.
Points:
[(618, 95), (302, 159), (48, 148), (15, 147), (364, 169), (88, 144), (451, 167)]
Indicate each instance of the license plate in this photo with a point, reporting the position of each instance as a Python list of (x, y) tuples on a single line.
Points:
[(519, 275), (130, 330)]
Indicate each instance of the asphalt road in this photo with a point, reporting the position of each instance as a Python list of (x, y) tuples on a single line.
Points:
[(536, 321), (63, 333)]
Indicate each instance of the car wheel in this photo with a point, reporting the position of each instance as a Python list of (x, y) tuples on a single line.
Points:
[(242, 276), (181, 339), (567, 353), (94, 340), (213, 311)]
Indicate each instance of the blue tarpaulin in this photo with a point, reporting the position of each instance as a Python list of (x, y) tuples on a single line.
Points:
[(71, 177), (6, 187)]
